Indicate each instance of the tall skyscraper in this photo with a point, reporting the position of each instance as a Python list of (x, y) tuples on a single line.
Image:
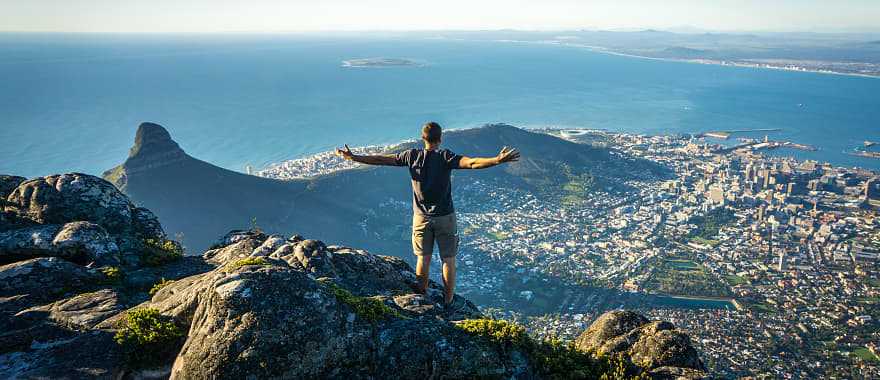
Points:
[(781, 266)]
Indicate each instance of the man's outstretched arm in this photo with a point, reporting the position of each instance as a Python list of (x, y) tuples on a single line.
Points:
[(369, 160), (506, 155)]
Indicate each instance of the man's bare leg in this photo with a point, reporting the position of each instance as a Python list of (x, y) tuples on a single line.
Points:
[(448, 279), (423, 270)]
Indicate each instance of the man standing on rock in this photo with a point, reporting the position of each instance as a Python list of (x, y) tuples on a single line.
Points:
[(433, 214)]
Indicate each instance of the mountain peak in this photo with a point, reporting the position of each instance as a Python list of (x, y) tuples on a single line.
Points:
[(153, 147), (152, 138)]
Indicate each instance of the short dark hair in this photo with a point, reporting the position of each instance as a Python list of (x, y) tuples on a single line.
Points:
[(432, 132)]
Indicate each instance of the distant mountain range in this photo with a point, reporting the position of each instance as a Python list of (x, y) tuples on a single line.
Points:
[(845, 53), (202, 201)]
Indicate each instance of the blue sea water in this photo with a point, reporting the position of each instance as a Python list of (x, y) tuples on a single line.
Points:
[(73, 102)]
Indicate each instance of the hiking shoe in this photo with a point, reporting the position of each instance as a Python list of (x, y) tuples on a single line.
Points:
[(455, 306), (417, 289)]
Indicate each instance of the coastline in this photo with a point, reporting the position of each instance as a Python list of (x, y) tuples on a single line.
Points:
[(699, 61)]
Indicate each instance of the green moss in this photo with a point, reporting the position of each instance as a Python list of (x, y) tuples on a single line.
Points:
[(866, 355), (159, 252), (159, 285), (551, 358), (147, 336), (244, 262), (113, 275), (369, 308)]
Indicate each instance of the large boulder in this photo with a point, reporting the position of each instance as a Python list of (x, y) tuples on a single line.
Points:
[(651, 345), (60, 198), (44, 277), (266, 318), (610, 333), (80, 312), (89, 355), (80, 242), (63, 198)]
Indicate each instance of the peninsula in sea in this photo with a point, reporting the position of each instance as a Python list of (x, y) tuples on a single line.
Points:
[(381, 62)]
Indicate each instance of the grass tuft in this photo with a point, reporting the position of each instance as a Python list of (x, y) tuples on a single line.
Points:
[(147, 336), (158, 252), (371, 309), (551, 358), (159, 285), (245, 262), (113, 275)]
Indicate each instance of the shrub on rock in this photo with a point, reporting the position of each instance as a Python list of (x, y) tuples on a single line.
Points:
[(147, 336), (160, 252)]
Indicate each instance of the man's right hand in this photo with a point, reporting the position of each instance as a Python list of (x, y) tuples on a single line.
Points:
[(345, 153), (507, 155)]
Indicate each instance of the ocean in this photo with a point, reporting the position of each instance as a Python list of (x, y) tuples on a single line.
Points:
[(72, 102)]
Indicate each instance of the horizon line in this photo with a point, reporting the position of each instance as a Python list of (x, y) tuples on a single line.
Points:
[(672, 30)]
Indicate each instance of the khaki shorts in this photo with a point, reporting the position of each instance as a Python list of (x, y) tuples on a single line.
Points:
[(428, 229)]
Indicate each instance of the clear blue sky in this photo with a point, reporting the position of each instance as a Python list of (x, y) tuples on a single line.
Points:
[(316, 15)]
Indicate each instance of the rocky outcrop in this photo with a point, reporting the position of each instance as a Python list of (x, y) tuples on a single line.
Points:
[(62, 198), (81, 242), (83, 311), (308, 310), (43, 277), (75, 216), (655, 346), (67, 242), (87, 355), (267, 306)]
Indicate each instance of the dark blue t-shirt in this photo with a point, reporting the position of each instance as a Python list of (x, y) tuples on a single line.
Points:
[(430, 171)]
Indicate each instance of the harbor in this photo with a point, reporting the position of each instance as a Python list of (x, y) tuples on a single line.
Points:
[(766, 144), (724, 135)]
